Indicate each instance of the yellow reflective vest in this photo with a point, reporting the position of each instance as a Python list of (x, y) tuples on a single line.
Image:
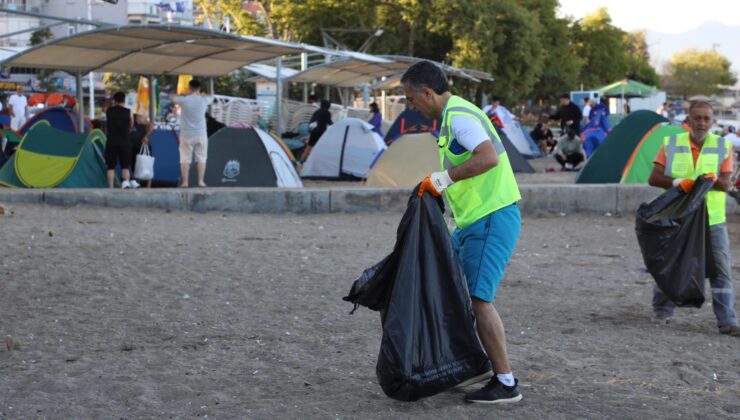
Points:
[(474, 198), (680, 164)]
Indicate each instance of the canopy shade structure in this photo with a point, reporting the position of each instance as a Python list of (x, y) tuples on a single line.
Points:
[(403, 62), (267, 72), (152, 50), (355, 71), (627, 89), (348, 72)]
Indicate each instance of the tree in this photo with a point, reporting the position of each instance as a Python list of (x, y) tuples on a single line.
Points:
[(505, 40), (562, 66), (45, 76), (692, 72), (638, 59), (216, 12), (602, 47)]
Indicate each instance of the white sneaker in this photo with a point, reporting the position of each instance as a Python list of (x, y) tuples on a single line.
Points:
[(134, 184), (125, 185)]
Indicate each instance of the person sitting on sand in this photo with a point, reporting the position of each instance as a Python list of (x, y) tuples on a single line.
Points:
[(569, 152)]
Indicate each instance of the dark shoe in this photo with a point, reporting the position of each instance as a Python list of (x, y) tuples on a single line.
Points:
[(731, 330), (495, 393), (662, 318), (475, 379)]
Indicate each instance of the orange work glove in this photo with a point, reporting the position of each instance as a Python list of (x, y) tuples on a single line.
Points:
[(686, 185), (435, 183), (711, 175)]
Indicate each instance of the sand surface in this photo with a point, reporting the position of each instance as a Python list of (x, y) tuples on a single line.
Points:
[(138, 313)]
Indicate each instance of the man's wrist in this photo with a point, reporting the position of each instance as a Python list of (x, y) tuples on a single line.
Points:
[(677, 181)]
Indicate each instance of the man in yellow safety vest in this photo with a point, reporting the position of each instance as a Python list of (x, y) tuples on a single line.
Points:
[(681, 159), (479, 185)]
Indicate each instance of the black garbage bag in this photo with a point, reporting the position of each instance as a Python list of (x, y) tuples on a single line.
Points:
[(429, 340), (673, 233)]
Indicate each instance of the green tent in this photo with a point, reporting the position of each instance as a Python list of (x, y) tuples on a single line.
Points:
[(627, 89), (51, 158), (615, 119), (11, 136), (640, 164), (606, 165)]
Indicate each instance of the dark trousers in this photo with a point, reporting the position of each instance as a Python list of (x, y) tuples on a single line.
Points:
[(573, 158)]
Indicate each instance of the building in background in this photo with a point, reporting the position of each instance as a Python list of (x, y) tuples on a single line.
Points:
[(15, 23)]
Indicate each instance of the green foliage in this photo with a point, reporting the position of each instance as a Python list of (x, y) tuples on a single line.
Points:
[(115, 82), (638, 59), (41, 36), (45, 76), (531, 52), (602, 47), (214, 13), (561, 66), (693, 72)]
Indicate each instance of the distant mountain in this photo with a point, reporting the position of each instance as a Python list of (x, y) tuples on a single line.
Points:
[(708, 35)]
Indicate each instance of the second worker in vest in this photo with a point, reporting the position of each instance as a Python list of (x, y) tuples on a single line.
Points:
[(480, 187), (682, 159)]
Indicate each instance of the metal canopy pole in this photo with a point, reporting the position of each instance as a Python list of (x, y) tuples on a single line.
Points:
[(80, 103), (152, 99), (212, 86), (91, 75), (50, 25), (304, 65), (278, 95)]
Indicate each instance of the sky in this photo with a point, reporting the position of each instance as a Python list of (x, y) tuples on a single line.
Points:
[(669, 16)]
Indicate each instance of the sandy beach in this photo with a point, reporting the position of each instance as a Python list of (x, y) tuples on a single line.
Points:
[(122, 313)]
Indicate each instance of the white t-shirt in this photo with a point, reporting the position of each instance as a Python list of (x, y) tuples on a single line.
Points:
[(468, 132), (586, 110), (19, 104), (734, 139), (193, 114)]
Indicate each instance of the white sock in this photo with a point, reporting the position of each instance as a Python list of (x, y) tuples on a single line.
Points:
[(506, 378)]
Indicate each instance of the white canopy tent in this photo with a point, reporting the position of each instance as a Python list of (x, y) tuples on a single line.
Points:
[(150, 50)]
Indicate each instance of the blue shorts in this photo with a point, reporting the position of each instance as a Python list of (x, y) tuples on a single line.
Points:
[(484, 249)]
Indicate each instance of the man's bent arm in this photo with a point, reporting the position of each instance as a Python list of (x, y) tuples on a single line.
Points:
[(658, 179), (484, 158), (723, 182)]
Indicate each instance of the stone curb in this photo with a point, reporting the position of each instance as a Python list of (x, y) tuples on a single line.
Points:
[(536, 198)]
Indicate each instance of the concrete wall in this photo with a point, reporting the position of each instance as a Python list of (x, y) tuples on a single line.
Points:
[(536, 199)]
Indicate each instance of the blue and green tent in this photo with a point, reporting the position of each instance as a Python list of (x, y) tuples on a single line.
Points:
[(51, 158)]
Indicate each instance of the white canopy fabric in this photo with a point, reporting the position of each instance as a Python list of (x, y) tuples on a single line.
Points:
[(267, 72), (153, 50), (347, 72), (355, 71)]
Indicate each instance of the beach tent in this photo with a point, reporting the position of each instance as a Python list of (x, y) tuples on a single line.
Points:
[(615, 119), (523, 143), (606, 165), (165, 147), (58, 117), (517, 161), (405, 162), (640, 164), (594, 133), (11, 136), (247, 157), (348, 147), (51, 158), (410, 122)]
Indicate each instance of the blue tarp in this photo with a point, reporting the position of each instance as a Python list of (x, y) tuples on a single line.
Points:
[(165, 148)]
